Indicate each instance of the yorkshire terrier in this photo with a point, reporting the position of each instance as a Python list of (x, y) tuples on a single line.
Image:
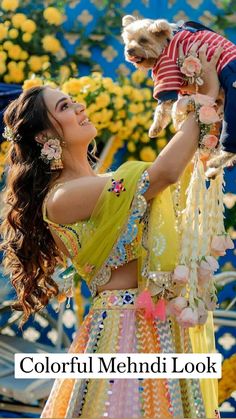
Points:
[(154, 44)]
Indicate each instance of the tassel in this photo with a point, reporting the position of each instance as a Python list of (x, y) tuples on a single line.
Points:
[(160, 310), (144, 301)]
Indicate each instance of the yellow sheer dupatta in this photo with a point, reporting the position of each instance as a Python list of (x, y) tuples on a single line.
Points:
[(108, 218)]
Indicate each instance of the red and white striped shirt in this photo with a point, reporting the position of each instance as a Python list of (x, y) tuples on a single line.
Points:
[(166, 73)]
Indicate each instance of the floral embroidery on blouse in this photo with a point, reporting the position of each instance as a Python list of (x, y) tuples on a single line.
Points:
[(117, 187), (129, 243)]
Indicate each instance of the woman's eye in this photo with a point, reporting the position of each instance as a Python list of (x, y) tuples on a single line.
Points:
[(64, 106)]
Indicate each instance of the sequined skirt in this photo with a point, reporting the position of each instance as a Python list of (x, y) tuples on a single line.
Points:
[(112, 326)]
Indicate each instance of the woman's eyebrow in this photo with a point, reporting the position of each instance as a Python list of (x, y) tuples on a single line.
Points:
[(60, 100)]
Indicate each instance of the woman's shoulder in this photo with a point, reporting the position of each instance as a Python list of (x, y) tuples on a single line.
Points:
[(74, 200)]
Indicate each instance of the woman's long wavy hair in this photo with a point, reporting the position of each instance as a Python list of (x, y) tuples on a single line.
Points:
[(30, 254)]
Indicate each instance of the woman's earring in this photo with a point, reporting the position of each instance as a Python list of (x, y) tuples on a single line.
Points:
[(51, 153)]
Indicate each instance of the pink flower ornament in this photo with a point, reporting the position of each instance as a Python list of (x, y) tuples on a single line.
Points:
[(220, 244), (51, 149), (207, 267), (208, 115), (188, 317), (175, 306), (191, 66), (181, 275), (210, 141)]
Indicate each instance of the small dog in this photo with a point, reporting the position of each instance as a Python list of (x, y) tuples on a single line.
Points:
[(154, 44)]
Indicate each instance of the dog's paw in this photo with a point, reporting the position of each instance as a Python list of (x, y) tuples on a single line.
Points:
[(154, 130)]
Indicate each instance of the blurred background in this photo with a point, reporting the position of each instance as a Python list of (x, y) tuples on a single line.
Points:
[(77, 45)]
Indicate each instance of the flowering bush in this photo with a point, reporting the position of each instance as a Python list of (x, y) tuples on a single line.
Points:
[(29, 41)]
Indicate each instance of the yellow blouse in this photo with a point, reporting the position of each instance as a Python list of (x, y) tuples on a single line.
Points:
[(126, 249)]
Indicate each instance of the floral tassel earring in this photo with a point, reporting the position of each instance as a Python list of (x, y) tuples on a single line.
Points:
[(51, 153)]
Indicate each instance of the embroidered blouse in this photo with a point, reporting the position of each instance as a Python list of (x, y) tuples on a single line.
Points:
[(128, 245)]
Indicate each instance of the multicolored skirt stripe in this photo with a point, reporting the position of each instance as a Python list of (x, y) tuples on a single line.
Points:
[(114, 326)]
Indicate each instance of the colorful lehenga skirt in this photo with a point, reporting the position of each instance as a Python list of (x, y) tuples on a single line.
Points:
[(114, 326)]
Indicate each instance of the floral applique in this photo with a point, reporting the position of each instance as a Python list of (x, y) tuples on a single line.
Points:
[(117, 186)]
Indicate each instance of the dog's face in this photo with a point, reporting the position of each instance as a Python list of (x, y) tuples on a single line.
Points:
[(145, 40)]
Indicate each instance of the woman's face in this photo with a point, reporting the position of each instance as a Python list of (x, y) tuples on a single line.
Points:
[(68, 117)]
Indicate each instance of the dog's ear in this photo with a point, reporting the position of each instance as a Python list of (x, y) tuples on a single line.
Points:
[(162, 27), (126, 20)]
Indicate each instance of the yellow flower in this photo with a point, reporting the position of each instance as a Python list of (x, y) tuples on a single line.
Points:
[(162, 133), (24, 55), (2, 67), (131, 146), (3, 32), (72, 86), (17, 19), (53, 16), (138, 76), (5, 145), (107, 82), (28, 26), (10, 5), (7, 45), (14, 52), (13, 33), (137, 95), (3, 56), (131, 158), (147, 154), (17, 75), (64, 73), (147, 93), (32, 83), (161, 142), (51, 44), (7, 23), (127, 90), (121, 114), (149, 82), (119, 102), (133, 108), (26, 37), (115, 126), (145, 138), (7, 78), (102, 100), (35, 63), (172, 129)]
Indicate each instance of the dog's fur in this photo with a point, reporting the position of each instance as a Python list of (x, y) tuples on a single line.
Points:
[(144, 40)]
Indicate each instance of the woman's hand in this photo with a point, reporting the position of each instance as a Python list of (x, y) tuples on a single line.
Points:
[(209, 75)]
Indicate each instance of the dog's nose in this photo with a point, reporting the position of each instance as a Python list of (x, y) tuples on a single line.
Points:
[(131, 51)]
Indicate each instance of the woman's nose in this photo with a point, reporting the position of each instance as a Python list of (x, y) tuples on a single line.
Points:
[(78, 107)]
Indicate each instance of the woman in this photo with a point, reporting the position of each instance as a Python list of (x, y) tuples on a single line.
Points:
[(99, 222)]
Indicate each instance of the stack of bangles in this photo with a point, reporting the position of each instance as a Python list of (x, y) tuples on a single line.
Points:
[(207, 116)]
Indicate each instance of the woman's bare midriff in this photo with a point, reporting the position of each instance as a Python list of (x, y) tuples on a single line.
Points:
[(123, 277)]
